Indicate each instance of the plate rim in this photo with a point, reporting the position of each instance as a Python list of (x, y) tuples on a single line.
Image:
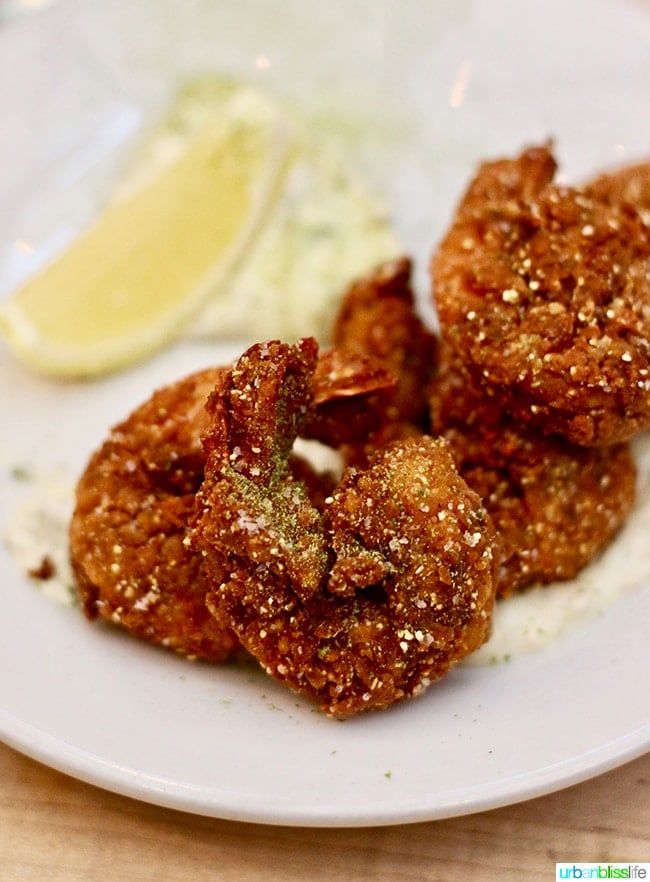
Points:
[(109, 776)]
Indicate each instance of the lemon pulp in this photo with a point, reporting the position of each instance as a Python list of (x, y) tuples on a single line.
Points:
[(234, 219), (135, 277)]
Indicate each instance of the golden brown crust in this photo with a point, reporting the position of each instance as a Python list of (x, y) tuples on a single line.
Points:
[(128, 531), (555, 505), (543, 291), (351, 398), (629, 185), (365, 602), (378, 318)]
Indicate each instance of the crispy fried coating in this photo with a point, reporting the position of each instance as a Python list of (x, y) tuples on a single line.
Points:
[(360, 604), (555, 505), (544, 292), (377, 317), (127, 534), (351, 398), (629, 185)]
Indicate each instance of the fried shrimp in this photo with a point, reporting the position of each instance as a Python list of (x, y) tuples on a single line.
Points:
[(629, 185), (555, 505), (377, 317), (362, 603), (351, 398), (133, 502), (544, 292), (127, 535)]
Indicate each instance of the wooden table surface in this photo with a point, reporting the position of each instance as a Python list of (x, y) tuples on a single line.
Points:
[(56, 829)]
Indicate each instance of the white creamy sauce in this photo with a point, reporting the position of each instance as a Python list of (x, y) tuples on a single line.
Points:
[(535, 618), (324, 227), (323, 459), (38, 529)]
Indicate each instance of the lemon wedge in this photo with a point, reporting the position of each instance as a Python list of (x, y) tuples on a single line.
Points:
[(133, 280), (326, 227)]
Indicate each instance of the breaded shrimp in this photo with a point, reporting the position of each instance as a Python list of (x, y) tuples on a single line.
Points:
[(628, 185), (378, 318), (555, 505), (128, 530), (543, 292), (360, 604)]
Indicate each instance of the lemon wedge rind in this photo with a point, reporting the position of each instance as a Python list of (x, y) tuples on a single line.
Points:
[(132, 281)]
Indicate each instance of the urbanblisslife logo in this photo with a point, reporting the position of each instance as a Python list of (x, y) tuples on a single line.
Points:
[(602, 871)]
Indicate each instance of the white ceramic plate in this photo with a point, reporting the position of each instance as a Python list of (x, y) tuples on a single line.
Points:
[(428, 90)]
